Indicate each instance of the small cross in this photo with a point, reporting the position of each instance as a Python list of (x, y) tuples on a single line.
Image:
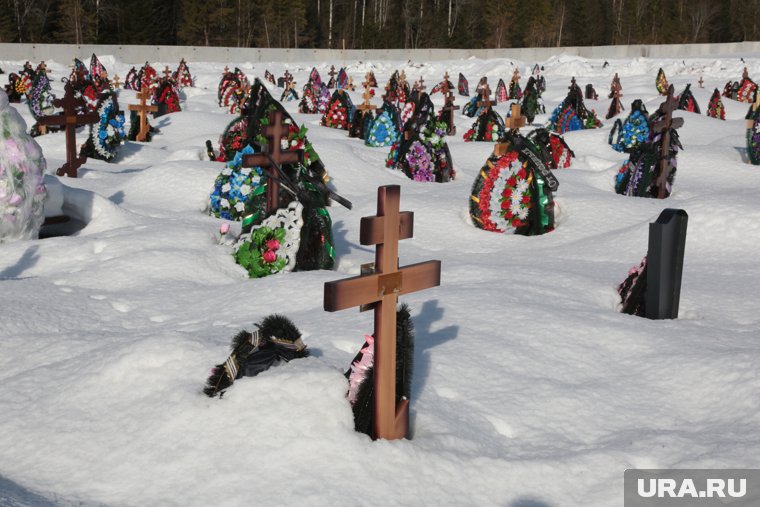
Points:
[(69, 120), (422, 84), (167, 72), (516, 75), (701, 82), (402, 78), (226, 69), (116, 82), (745, 74), (573, 85), (516, 119), (382, 289), (143, 109), (272, 159)]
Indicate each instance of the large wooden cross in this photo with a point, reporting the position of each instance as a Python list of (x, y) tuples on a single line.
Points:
[(143, 109), (70, 120), (516, 119), (485, 98), (274, 156), (116, 82), (382, 288), (664, 125)]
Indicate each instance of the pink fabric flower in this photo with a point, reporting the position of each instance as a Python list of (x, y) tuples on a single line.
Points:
[(269, 256)]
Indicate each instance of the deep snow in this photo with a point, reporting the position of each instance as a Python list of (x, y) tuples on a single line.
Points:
[(529, 388)]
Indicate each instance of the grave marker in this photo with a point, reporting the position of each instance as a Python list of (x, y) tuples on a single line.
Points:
[(70, 120), (664, 125), (515, 120), (272, 159), (382, 288), (667, 242), (143, 109)]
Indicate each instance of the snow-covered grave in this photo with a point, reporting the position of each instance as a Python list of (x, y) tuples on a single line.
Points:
[(530, 388)]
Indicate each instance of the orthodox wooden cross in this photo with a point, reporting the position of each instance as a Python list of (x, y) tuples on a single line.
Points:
[(701, 82), (664, 125), (116, 82), (143, 109), (382, 289), (69, 120), (367, 96), (167, 72), (274, 156), (516, 119), (485, 101), (422, 84), (447, 113)]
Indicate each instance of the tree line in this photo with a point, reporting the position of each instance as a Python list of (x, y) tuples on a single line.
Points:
[(379, 24)]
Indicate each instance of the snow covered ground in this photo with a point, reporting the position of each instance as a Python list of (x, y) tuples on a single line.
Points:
[(530, 389)]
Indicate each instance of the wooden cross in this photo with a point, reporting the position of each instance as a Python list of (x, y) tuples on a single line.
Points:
[(516, 75), (422, 84), (402, 78), (701, 82), (367, 96), (288, 77), (448, 114), (69, 120), (745, 74), (382, 288), (664, 125), (516, 119), (167, 72), (485, 101), (274, 156), (116, 82), (143, 109)]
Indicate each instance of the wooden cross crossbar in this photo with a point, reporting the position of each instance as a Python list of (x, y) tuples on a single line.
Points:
[(272, 160), (70, 120), (116, 81), (447, 113), (143, 109), (516, 120), (382, 288), (167, 72), (701, 82)]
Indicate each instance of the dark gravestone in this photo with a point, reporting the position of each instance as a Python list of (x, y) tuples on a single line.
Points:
[(667, 242)]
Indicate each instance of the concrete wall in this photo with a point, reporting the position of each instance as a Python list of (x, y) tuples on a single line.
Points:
[(140, 54)]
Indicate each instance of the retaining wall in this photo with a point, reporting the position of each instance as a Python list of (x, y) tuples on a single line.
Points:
[(141, 54)]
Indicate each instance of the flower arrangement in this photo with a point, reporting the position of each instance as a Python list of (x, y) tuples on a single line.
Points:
[(22, 169), (168, 95), (108, 134), (419, 163), (715, 108), (336, 117), (239, 192), (382, 132), (561, 155), (40, 98), (753, 136), (233, 139), (272, 246)]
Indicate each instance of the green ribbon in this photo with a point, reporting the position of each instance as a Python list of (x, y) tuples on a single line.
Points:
[(250, 219), (328, 246), (543, 201)]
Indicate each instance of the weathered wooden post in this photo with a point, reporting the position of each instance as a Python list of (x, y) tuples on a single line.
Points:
[(667, 242), (382, 288)]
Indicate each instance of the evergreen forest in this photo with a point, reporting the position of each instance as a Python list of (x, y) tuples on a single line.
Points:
[(379, 24)]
